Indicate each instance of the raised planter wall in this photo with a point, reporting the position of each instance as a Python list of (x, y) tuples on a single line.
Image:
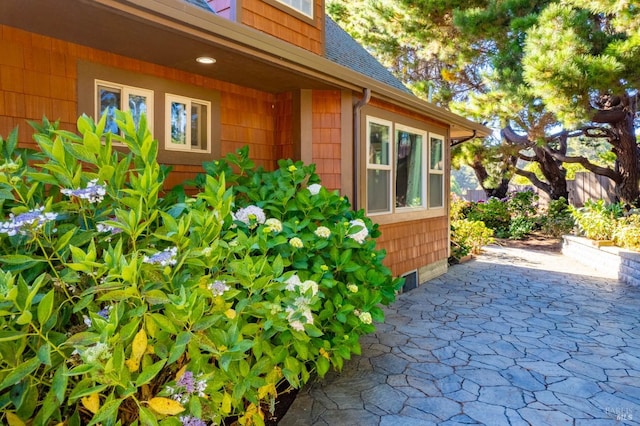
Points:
[(612, 261)]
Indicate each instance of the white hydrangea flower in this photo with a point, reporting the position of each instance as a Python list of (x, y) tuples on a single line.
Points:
[(360, 235), (274, 225), (309, 284), (296, 242), (250, 215), (365, 317), (323, 232), (293, 283), (314, 189)]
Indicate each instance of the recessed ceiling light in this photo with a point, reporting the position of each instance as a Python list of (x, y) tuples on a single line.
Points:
[(207, 60)]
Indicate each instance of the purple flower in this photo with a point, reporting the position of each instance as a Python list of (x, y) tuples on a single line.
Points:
[(192, 421), (218, 288), (167, 257), (20, 224), (94, 193)]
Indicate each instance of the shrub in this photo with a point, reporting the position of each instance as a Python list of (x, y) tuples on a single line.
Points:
[(520, 227), (119, 306), (495, 215), (627, 232), (470, 235), (597, 220), (557, 219), (522, 204)]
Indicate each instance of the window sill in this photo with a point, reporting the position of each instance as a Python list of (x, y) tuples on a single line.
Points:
[(405, 216)]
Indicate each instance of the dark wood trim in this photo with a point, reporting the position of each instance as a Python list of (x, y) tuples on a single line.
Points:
[(306, 126), (346, 149)]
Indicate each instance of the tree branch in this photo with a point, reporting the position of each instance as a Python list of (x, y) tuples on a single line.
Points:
[(594, 168), (543, 186)]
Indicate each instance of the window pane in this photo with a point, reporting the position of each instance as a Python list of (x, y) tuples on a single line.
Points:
[(378, 191), (378, 144), (109, 99), (199, 125), (137, 106), (409, 170), (436, 154), (178, 123), (436, 185)]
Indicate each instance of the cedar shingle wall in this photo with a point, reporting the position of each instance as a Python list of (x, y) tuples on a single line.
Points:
[(271, 20), (412, 245), (283, 144), (326, 153), (38, 76)]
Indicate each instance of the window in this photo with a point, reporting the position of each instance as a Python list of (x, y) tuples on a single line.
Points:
[(188, 124), (436, 172), (405, 168), (378, 166), (112, 96), (303, 6), (410, 176)]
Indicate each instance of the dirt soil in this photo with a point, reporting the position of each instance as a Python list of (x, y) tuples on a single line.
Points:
[(533, 242)]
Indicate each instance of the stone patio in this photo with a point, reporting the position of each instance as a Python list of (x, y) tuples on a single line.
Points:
[(513, 337)]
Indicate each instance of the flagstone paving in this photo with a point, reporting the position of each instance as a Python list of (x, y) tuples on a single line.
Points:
[(513, 337)]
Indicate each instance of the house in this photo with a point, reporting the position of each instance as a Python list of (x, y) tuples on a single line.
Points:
[(276, 75)]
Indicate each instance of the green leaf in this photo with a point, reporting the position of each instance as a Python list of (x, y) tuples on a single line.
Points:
[(6, 336), (60, 381), (108, 413), (79, 392), (45, 307), (322, 366), (148, 373), (19, 259), (20, 372), (44, 354), (147, 418)]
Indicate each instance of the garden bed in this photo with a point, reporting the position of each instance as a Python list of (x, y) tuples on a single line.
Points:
[(613, 261)]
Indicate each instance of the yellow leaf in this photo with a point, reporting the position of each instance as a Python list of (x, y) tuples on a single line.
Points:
[(181, 372), (226, 403), (165, 406), (324, 353), (138, 347), (91, 402), (231, 314), (14, 420), (266, 390)]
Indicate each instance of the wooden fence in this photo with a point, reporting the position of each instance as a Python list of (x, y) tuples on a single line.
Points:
[(586, 186)]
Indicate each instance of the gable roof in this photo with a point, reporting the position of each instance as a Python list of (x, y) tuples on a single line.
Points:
[(342, 49)]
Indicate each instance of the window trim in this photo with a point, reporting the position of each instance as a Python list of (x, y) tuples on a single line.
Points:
[(436, 171), (385, 167), (188, 101), (401, 214), (125, 91)]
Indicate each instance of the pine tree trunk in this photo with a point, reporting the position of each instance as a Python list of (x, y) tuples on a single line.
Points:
[(554, 173), (628, 157)]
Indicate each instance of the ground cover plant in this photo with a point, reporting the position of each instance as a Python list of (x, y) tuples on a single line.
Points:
[(121, 304)]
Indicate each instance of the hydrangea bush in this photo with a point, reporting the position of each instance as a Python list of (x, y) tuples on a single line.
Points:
[(122, 304)]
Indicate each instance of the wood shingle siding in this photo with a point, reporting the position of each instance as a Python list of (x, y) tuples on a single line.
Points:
[(411, 245), (38, 77), (285, 26), (326, 136)]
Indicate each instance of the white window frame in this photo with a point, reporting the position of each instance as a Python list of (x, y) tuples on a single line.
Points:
[(439, 171), (125, 92), (297, 5), (425, 146), (386, 167), (187, 147)]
